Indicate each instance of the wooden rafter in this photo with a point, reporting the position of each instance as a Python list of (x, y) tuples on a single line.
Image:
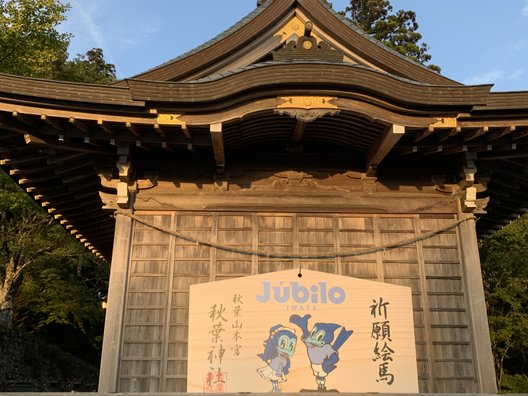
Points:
[(432, 150), (186, 132), (133, 129), (159, 130), (217, 139), (23, 160), (383, 145), (473, 135), (455, 150), (70, 146), (424, 134), (66, 170), (295, 146), (79, 125), (407, 150), (60, 159), (52, 122), (449, 134), (37, 180), (24, 119), (520, 135), (503, 132), (105, 127)]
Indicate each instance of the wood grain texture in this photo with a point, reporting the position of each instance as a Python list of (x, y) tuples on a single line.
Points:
[(162, 267)]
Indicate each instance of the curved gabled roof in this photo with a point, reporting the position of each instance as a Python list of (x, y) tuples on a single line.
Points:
[(269, 17), (308, 75)]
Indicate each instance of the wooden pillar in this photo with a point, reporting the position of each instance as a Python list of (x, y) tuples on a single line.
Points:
[(483, 357), (109, 373)]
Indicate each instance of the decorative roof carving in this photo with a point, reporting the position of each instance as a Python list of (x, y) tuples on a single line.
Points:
[(307, 48)]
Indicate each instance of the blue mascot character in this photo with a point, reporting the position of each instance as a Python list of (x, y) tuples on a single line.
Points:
[(278, 349), (322, 353)]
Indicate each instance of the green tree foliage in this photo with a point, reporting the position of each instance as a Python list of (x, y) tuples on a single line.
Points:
[(504, 257), (30, 45), (88, 68), (398, 31), (49, 284)]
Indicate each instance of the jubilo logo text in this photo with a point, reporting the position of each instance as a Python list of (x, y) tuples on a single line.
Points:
[(293, 292)]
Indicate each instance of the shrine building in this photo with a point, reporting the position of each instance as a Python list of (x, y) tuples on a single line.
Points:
[(293, 140)]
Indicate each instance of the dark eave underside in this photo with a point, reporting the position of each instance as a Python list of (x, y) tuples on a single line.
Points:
[(56, 136)]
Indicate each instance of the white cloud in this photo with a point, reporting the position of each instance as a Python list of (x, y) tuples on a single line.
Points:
[(516, 74), (138, 35), (485, 78), (494, 76), (87, 11), (524, 11)]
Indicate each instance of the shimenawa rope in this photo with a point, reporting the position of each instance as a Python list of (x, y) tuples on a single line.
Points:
[(258, 253)]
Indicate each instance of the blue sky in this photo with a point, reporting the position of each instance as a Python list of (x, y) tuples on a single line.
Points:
[(473, 41)]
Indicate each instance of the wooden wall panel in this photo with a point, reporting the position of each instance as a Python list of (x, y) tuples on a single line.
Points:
[(162, 268)]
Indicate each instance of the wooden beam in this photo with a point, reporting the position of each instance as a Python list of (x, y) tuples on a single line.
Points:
[(186, 132), (455, 150), (79, 125), (105, 127), (522, 177), (59, 159), (23, 160), (520, 135), (298, 132), (69, 146), (37, 180), (78, 177), (159, 130), (432, 150), (295, 146), (384, 144), (450, 134), (217, 139), (24, 119), (133, 129), (507, 184), (424, 134), (52, 122), (473, 135), (407, 150), (503, 132), (65, 170)]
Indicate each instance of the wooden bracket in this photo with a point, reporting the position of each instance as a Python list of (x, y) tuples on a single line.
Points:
[(217, 139), (383, 145)]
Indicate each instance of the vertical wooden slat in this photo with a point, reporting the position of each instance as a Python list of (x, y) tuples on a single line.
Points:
[(296, 249), (337, 245), (168, 310), (425, 305), (476, 306), (214, 239), (379, 255), (254, 242), (110, 360)]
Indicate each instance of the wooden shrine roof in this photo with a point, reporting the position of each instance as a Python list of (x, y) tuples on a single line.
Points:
[(61, 140), (269, 17)]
